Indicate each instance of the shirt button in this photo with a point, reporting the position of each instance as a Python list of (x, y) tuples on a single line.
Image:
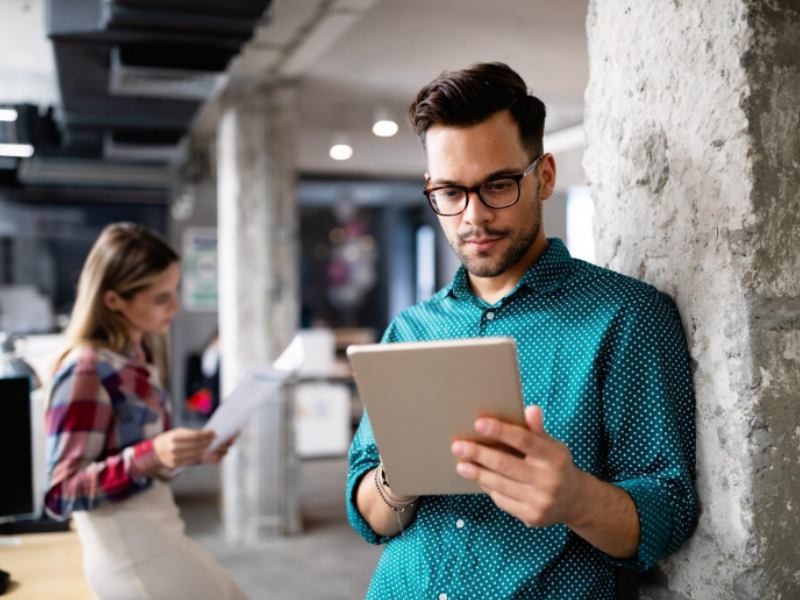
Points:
[(460, 523), (442, 596), (490, 315)]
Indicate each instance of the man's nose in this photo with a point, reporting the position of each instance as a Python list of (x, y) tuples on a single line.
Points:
[(477, 212)]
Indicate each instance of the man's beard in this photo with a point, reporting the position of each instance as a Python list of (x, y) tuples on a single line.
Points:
[(518, 245)]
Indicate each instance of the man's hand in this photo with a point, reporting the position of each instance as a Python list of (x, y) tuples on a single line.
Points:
[(540, 487), (181, 447)]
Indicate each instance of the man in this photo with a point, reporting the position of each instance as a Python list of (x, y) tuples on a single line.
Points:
[(603, 474)]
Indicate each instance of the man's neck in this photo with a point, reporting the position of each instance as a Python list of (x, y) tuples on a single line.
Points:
[(492, 289)]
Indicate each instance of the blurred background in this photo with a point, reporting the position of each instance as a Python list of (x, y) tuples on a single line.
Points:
[(115, 110)]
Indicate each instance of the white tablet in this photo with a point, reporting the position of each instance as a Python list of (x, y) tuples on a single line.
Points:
[(421, 396)]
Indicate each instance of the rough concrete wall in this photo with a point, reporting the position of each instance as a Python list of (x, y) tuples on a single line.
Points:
[(692, 157), (773, 291)]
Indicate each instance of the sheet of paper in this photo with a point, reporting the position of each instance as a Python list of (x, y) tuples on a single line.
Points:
[(257, 386)]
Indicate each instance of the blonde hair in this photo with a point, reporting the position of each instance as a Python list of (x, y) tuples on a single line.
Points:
[(126, 258)]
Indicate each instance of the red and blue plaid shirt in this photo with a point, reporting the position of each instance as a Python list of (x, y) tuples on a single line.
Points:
[(104, 411)]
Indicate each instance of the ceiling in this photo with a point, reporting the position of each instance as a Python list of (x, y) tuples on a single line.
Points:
[(104, 65)]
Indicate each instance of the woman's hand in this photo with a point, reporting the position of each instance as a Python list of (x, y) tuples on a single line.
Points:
[(220, 451), (182, 447)]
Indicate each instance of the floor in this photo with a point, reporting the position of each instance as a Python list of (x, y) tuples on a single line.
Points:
[(327, 560)]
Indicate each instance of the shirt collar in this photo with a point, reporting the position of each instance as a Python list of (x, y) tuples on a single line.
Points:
[(547, 274), (137, 353)]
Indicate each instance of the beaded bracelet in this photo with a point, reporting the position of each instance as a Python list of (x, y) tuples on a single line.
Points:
[(395, 504)]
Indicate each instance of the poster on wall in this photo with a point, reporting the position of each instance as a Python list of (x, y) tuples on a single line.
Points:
[(200, 268)]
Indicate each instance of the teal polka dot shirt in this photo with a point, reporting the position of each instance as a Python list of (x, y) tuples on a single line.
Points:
[(605, 357)]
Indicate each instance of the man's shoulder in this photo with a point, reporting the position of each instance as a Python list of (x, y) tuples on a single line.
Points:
[(616, 289), (418, 320), (425, 307)]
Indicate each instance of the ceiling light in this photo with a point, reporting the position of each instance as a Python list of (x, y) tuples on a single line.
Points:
[(384, 125), (341, 151), (385, 128), (8, 114), (16, 150)]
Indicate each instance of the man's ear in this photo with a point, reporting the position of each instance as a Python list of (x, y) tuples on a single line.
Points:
[(548, 176), (112, 300)]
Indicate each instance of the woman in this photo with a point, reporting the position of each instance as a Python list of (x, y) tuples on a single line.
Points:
[(110, 446)]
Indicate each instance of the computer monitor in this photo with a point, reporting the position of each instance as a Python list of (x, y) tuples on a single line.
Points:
[(18, 495)]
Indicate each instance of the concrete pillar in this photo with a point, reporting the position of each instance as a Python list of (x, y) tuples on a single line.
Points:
[(259, 296), (693, 157)]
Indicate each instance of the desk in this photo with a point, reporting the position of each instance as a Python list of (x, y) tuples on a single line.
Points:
[(44, 566)]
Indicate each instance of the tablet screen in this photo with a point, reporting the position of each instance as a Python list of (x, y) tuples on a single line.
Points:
[(421, 396)]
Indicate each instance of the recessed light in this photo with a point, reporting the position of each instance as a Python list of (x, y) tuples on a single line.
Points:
[(385, 128), (340, 152)]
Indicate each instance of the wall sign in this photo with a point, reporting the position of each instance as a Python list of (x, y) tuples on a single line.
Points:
[(199, 264)]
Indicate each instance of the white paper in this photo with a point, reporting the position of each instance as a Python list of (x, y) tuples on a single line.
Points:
[(257, 386), (293, 357)]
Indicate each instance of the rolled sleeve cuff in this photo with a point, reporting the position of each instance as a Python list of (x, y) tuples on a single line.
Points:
[(353, 515), (655, 523), (144, 461)]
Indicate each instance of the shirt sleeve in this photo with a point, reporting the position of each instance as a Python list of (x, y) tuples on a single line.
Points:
[(649, 422), (363, 457), (81, 474)]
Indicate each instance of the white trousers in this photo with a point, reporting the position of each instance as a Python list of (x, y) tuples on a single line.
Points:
[(137, 550)]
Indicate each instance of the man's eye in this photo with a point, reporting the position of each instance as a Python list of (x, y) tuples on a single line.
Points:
[(499, 185), (447, 193)]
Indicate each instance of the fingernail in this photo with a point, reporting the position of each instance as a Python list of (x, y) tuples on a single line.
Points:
[(459, 448), (465, 470), (482, 425)]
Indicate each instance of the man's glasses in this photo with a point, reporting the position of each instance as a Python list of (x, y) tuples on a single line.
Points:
[(500, 192)]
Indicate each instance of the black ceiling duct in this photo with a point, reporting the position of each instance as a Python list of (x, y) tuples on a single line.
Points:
[(132, 73)]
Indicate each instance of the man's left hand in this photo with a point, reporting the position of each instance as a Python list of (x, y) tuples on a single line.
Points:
[(541, 486)]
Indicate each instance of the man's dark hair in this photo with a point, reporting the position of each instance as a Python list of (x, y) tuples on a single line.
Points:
[(470, 96)]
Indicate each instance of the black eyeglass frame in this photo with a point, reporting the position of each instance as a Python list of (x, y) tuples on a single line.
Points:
[(477, 189)]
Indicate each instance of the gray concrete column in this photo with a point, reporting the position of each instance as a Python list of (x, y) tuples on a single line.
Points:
[(259, 296), (693, 157)]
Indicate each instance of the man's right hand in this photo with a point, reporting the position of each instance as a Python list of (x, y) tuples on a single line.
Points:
[(182, 447)]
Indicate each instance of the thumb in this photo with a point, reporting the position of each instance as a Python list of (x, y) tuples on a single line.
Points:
[(534, 417)]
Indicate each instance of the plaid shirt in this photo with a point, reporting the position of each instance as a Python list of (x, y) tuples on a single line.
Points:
[(104, 411)]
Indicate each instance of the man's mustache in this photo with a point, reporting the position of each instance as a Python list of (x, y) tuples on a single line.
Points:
[(481, 233)]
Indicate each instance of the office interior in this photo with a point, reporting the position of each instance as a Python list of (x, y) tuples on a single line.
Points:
[(114, 110)]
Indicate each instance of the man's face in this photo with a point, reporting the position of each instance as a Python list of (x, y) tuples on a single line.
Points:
[(488, 241)]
